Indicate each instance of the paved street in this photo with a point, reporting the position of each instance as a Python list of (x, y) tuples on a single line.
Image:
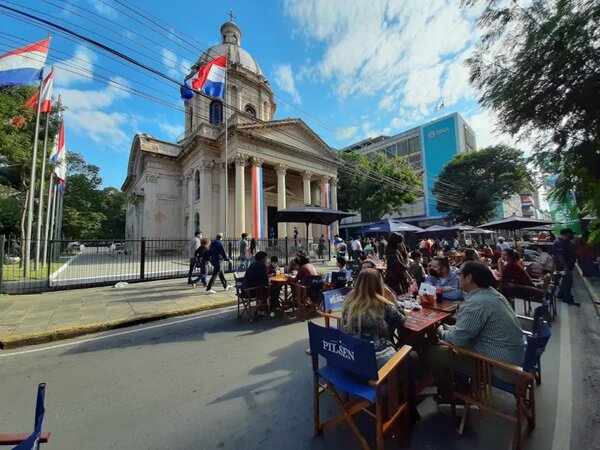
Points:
[(209, 381)]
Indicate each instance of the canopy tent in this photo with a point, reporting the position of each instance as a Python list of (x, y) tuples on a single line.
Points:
[(389, 226), (479, 231), (438, 229)]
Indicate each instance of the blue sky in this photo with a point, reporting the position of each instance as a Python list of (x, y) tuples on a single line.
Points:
[(351, 69)]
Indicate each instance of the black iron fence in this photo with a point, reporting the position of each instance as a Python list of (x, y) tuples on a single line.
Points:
[(75, 264)]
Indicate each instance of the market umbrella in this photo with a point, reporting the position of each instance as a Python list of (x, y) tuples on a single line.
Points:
[(437, 229), (479, 231), (540, 228), (389, 226), (513, 223), (311, 214)]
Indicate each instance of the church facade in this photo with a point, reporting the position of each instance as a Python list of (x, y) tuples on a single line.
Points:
[(255, 165)]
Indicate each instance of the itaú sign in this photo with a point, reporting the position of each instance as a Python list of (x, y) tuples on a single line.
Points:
[(434, 133)]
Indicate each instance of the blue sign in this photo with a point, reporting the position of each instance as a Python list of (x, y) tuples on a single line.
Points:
[(440, 144)]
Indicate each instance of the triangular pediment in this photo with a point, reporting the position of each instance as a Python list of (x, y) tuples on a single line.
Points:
[(293, 133)]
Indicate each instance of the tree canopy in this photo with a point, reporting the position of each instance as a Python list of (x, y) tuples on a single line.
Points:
[(538, 68), (376, 186), (479, 181)]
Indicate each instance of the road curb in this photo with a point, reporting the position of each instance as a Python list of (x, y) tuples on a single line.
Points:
[(7, 342), (591, 291)]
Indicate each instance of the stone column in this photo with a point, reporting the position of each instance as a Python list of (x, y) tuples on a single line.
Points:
[(206, 199), (281, 170), (257, 231), (334, 204), (240, 194), (306, 176)]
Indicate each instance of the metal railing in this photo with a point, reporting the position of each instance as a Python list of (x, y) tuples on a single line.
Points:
[(75, 264)]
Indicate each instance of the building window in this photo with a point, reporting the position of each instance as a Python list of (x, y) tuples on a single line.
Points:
[(469, 140), (392, 150), (216, 112), (403, 148), (413, 145), (196, 222), (197, 184), (250, 111)]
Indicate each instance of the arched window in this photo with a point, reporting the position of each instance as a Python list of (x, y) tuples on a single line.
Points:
[(196, 222), (197, 185), (216, 112), (250, 111)]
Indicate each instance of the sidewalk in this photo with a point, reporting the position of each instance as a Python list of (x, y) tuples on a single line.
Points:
[(51, 316), (592, 284)]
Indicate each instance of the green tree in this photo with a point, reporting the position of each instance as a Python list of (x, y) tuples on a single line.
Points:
[(377, 186), (481, 179), (538, 67)]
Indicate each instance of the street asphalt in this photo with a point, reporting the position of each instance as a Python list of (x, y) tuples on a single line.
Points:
[(209, 381)]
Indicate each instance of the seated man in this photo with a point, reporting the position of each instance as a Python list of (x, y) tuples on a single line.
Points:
[(485, 324), (415, 267), (441, 276), (343, 275), (256, 275)]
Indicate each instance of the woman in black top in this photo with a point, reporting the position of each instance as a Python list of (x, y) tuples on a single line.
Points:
[(396, 275)]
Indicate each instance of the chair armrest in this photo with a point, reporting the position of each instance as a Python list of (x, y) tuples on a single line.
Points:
[(391, 365), (529, 319), (331, 316), (495, 362), (253, 291)]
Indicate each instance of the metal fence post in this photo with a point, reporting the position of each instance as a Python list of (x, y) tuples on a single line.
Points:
[(329, 248), (143, 259), (287, 256), (50, 245), (1, 261)]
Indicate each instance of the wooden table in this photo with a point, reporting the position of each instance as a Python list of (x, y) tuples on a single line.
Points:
[(446, 306), (419, 321), (283, 280)]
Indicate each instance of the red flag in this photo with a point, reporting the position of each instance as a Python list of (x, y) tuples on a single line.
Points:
[(46, 105)]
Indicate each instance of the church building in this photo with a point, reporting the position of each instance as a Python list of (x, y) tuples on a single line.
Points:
[(256, 166)]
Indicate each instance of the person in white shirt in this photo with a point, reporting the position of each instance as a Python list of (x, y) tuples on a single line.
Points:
[(501, 244), (545, 260), (194, 245), (456, 244), (356, 247)]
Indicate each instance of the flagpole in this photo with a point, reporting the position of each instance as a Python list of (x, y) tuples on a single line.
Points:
[(26, 256), (53, 212), (49, 212), (40, 214), (226, 149)]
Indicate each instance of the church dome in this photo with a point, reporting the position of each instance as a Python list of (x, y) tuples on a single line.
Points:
[(231, 36)]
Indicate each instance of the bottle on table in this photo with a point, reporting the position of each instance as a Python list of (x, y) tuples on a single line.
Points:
[(414, 290), (438, 295)]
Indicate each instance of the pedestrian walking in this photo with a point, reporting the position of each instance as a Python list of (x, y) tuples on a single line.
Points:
[(272, 236), (296, 236), (321, 246), (217, 257), (202, 258), (194, 244), (243, 252)]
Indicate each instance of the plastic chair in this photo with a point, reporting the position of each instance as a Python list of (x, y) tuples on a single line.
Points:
[(23, 441), (352, 370)]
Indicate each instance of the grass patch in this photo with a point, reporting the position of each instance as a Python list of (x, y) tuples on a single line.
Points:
[(14, 272)]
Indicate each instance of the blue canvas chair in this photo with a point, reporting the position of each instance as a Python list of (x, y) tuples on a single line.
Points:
[(538, 333), (333, 300), (24, 441), (251, 300), (340, 279), (351, 376)]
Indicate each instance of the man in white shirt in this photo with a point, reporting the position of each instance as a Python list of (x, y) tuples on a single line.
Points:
[(502, 245), (194, 245), (356, 247)]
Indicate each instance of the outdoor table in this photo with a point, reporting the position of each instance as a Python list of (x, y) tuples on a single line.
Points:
[(420, 326), (445, 306), (285, 293)]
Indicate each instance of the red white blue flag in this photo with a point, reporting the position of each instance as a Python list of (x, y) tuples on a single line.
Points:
[(59, 156), (210, 79), (258, 202), (23, 65)]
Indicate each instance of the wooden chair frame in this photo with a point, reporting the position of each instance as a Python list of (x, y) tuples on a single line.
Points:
[(252, 300), (390, 385), (527, 293), (306, 308), (481, 392)]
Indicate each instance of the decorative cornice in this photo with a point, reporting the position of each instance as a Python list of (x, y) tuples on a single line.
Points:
[(257, 161), (307, 175), (152, 177), (281, 169), (325, 178), (333, 182)]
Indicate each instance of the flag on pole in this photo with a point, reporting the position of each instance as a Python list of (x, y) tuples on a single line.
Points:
[(56, 147), (46, 105), (59, 156), (210, 79), (23, 65)]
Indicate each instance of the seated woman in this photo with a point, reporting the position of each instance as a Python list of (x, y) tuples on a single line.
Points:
[(471, 255), (511, 271), (305, 269), (367, 314)]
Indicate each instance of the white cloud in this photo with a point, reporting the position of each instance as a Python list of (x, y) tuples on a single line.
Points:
[(346, 133), (176, 67), (284, 78), (77, 99), (77, 69), (103, 8), (173, 131), (100, 127), (401, 52)]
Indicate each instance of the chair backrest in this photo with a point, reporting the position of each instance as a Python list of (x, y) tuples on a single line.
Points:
[(308, 280), (240, 284), (354, 355), (339, 279), (536, 345), (334, 299), (539, 314), (32, 442)]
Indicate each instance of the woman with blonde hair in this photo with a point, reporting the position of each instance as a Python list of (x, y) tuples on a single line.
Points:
[(368, 315)]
